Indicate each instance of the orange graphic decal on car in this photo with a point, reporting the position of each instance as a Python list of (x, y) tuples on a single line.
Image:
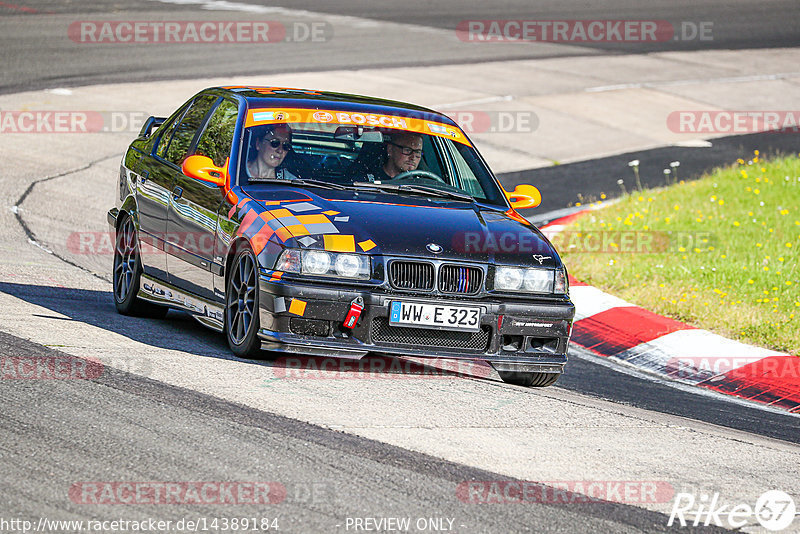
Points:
[(257, 117)]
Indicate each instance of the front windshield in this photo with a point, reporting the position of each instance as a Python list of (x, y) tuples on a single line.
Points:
[(358, 155)]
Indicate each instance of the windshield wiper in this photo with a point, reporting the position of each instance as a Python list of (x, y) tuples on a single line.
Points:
[(437, 192), (419, 190), (300, 181), (320, 183)]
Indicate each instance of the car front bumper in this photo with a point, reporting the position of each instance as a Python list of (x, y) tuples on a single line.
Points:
[(514, 336)]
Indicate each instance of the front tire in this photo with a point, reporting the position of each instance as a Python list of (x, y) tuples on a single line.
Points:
[(241, 305), (528, 380), (127, 275)]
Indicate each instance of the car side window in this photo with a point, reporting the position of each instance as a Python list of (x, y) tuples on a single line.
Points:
[(217, 137), (467, 181), (430, 161), (164, 133), (187, 128)]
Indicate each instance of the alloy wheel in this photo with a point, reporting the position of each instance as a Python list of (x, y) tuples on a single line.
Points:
[(241, 299), (125, 258)]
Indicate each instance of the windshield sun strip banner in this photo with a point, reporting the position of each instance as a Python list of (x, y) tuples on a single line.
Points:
[(256, 117)]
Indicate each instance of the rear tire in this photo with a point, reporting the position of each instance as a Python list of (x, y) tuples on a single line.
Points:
[(127, 275), (241, 306), (529, 380)]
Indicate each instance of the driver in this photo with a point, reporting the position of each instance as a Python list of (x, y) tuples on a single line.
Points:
[(403, 153)]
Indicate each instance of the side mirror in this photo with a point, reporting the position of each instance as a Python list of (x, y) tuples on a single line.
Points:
[(150, 124), (524, 196), (202, 168)]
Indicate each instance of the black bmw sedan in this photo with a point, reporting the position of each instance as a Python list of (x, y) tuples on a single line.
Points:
[(329, 224)]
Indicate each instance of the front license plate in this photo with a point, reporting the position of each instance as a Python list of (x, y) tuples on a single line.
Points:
[(423, 315)]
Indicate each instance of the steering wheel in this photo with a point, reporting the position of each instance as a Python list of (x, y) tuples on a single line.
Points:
[(422, 174)]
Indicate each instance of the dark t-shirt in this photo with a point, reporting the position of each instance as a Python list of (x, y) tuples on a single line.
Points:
[(358, 172)]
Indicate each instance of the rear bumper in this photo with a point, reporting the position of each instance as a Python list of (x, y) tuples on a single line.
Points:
[(514, 336)]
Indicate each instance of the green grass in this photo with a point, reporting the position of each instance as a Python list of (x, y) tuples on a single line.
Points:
[(720, 253)]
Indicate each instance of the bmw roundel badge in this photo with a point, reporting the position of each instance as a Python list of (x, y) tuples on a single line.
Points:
[(433, 247)]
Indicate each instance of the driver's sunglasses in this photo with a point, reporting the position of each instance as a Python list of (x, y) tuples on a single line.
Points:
[(407, 150), (275, 143)]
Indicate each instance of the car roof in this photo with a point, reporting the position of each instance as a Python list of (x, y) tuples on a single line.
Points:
[(258, 97)]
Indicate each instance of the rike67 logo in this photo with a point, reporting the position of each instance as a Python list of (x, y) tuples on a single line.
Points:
[(774, 510)]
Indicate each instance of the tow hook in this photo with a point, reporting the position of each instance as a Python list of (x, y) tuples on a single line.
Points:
[(356, 306)]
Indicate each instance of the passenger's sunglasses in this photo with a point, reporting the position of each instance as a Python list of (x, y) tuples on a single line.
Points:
[(407, 150), (275, 143)]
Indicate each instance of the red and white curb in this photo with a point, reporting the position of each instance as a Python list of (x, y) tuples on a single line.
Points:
[(611, 327)]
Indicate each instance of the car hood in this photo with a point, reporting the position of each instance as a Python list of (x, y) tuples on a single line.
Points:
[(406, 225)]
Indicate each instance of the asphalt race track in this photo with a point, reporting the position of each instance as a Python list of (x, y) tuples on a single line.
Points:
[(34, 55), (164, 401)]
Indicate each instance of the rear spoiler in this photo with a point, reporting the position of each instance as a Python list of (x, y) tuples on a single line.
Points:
[(150, 124)]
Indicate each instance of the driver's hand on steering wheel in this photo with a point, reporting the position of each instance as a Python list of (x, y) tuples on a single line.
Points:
[(422, 174)]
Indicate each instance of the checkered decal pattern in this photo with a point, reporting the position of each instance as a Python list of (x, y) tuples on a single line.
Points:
[(298, 219), (295, 219)]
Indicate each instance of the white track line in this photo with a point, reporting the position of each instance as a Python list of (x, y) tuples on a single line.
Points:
[(697, 81), (624, 367)]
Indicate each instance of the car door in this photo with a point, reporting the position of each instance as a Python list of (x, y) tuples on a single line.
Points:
[(194, 204), (154, 183)]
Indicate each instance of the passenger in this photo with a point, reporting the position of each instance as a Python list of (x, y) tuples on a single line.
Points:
[(271, 148)]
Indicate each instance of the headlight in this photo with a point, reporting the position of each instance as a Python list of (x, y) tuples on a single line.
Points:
[(508, 279), (530, 280), (539, 280), (349, 265), (321, 263), (562, 284), (289, 261), (316, 262)]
